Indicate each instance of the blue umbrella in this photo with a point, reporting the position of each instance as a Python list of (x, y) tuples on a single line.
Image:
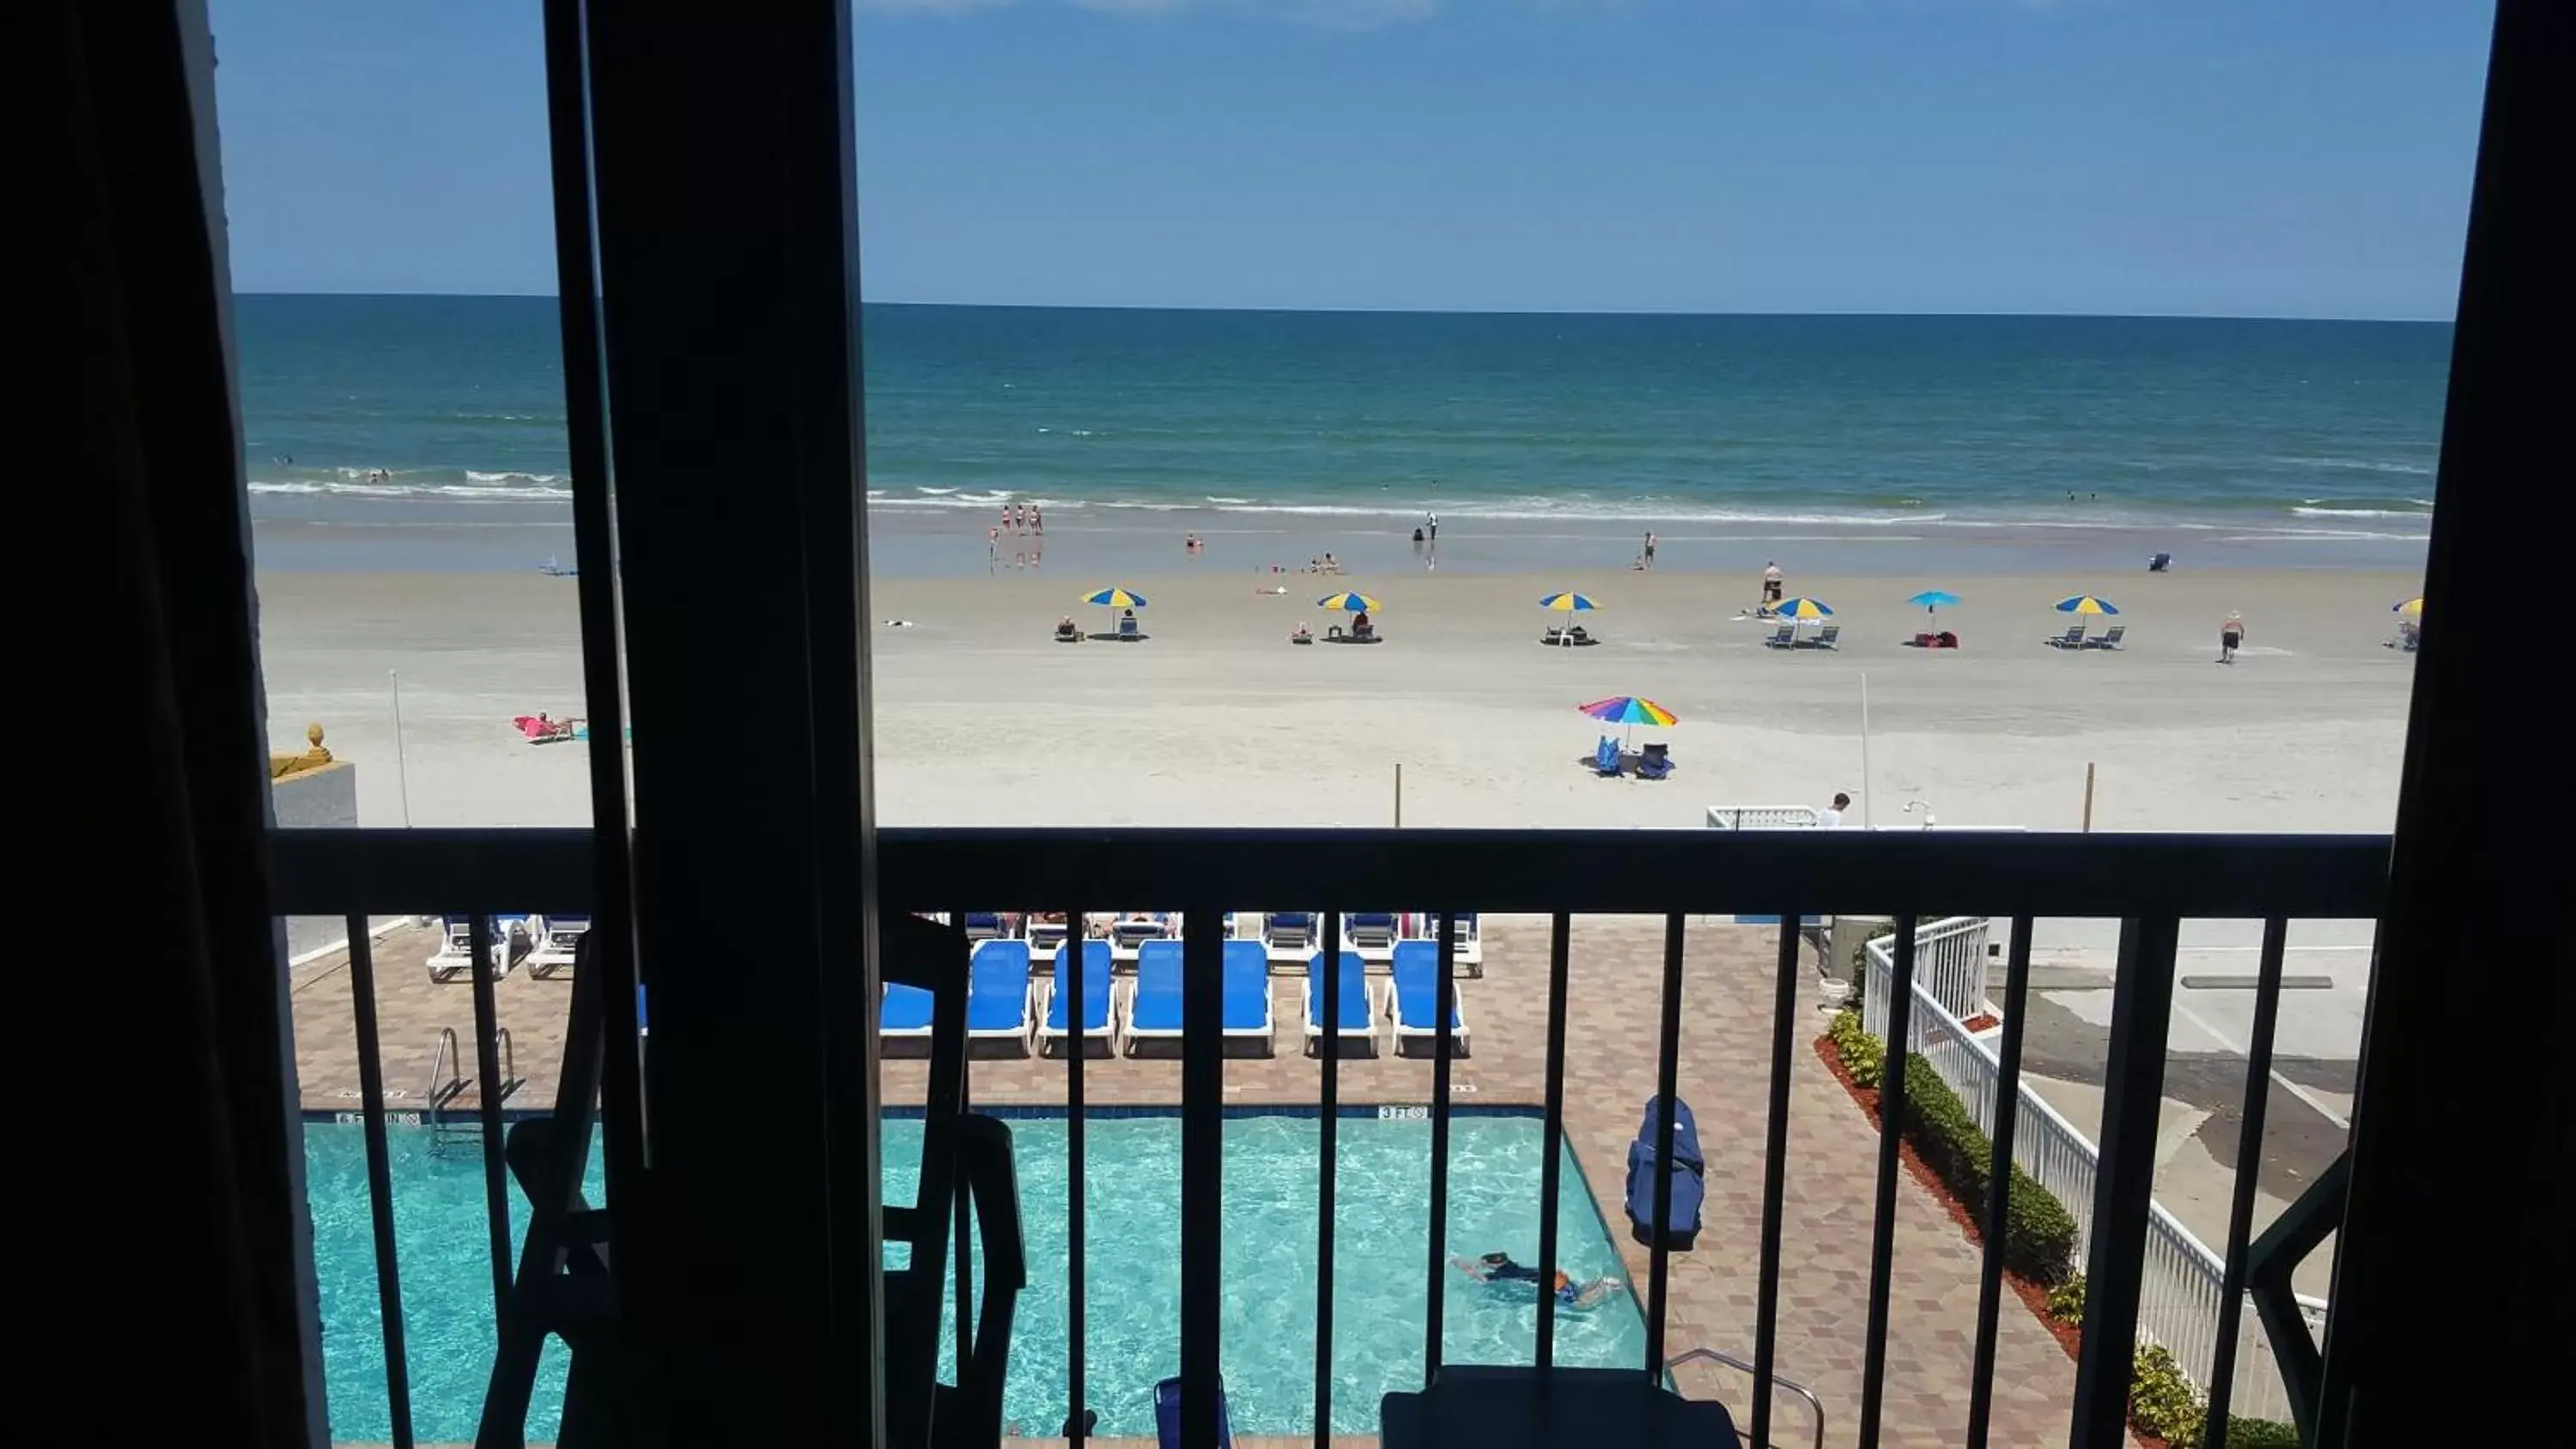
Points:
[(1932, 599)]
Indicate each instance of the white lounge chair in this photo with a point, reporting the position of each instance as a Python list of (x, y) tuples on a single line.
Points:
[(1043, 937), (1289, 935), (1370, 933), (556, 939), (1127, 933), (455, 954)]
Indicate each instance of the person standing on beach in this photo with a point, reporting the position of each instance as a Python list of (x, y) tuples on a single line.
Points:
[(1037, 521), (2231, 637), (1431, 522), (1772, 584), (1650, 548)]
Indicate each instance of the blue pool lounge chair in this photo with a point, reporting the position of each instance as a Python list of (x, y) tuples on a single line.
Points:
[(1167, 1416), (1371, 933), (1095, 994), (1290, 934), (1354, 1017), (997, 990), (983, 925), (1154, 1010), (1247, 992), (1417, 998), (906, 1012)]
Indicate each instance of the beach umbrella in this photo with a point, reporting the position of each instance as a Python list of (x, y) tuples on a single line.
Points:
[(1568, 603), (2412, 609), (1802, 609), (2085, 604), (1629, 710), (1932, 599), (1347, 603), (1115, 598)]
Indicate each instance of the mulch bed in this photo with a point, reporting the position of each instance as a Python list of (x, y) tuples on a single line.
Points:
[(2034, 1297), (1981, 1021)]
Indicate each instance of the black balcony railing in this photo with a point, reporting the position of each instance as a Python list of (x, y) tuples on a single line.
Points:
[(2149, 882)]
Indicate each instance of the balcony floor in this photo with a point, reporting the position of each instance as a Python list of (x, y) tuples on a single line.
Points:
[(1616, 963)]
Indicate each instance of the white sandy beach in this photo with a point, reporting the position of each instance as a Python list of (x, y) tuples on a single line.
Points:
[(1215, 719)]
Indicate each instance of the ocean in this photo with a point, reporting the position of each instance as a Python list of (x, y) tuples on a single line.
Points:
[(390, 432)]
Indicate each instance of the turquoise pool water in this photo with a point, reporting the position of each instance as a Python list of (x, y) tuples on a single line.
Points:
[(1132, 1294)]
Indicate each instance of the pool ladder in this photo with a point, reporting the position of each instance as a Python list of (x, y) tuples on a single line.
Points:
[(447, 1082), (1711, 1355)]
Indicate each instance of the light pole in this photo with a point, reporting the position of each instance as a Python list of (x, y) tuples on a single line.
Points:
[(402, 777)]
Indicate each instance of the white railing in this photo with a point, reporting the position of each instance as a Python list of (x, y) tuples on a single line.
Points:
[(1761, 817), (1949, 961), (2182, 1278)]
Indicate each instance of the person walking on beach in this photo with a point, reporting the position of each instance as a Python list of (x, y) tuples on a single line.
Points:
[(1037, 521), (1832, 815), (1772, 584), (2231, 637), (1431, 521), (1650, 548)]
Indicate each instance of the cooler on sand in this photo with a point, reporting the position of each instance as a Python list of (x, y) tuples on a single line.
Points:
[(1686, 1170)]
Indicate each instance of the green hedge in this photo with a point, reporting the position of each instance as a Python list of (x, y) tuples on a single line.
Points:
[(2039, 1234), (2163, 1403)]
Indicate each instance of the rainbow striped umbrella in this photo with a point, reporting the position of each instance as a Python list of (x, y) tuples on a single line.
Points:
[(1802, 609), (1629, 710), (1568, 603), (1116, 598), (2086, 604), (1347, 603)]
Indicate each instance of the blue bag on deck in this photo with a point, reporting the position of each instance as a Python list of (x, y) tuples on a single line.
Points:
[(1687, 1171)]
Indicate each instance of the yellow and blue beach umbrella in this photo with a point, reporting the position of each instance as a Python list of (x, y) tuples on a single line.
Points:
[(1116, 598), (1932, 599), (2086, 604), (1802, 609), (1347, 603), (1628, 709), (2412, 609), (1568, 603)]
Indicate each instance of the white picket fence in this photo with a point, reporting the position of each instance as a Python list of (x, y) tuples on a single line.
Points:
[(2182, 1280), (1949, 961)]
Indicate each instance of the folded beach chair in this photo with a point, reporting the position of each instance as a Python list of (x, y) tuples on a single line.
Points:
[(1094, 990), (555, 940), (997, 991), (2110, 638), (905, 1014), (1289, 934), (1605, 757), (1417, 998), (1371, 933), (1167, 1416), (1656, 763), (1826, 636), (2073, 638), (1784, 637), (1354, 1016)]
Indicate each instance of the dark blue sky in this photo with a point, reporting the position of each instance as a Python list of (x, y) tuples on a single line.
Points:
[(2291, 158)]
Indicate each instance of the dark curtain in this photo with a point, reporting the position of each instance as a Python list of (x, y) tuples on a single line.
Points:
[(178, 1255)]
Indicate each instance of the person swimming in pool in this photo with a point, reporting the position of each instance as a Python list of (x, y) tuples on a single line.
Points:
[(1500, 1268)]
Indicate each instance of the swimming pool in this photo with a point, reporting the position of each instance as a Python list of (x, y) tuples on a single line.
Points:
[(1132, 1288)]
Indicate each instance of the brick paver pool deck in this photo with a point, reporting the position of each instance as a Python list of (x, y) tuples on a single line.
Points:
[(1610, 1070)]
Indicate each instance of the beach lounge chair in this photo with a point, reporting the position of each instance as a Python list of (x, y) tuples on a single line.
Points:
[(1371, 934), (1127, 628), (1247, 993), (1605, 757), (1468, 954), (1364, 633), (2110, 638), (984, 926), (1417, 999), (1656, 763), (2073, 638), (1096, 1022), (1827, 636), (455, 954), (1578, 636), (553, 943), (1130, 932), (1354, 1016), (1290, 935), (997, 992), (905, 1015), (1167, 1416), (1154, 1010), (1554, 635), (1043, 936), (1784, 637)]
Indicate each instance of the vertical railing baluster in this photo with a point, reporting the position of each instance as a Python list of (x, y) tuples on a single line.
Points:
[(1667, 1083), (965, 1215), (1202, 1172), (1998, 1205), (2249, 1161), (1444, 1002), (1328, 1130), (488, 1087), (2133, 1081), (1069, 972), (1551, 1177), (380, 1180), (1891, 1131), (1775, 1172)]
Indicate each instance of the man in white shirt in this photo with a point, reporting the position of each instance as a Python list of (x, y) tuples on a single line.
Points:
[(1832, 815)]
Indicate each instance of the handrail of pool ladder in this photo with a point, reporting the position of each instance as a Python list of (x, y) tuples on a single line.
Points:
[(1777, 1382)]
